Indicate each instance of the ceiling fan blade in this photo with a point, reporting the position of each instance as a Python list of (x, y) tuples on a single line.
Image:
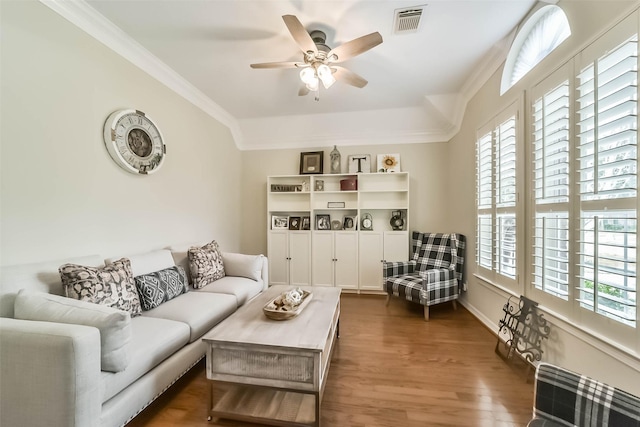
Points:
[(355, 47), (348, 77), (299, 34), (279, 65)]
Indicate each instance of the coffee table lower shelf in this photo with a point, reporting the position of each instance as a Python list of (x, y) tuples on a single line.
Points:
[(263, 405)]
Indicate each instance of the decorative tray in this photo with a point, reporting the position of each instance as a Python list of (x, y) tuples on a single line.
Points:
[(275, 312)]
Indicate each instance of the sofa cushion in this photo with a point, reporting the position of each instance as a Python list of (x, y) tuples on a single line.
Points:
[(152, 341), (161, 286), (241, 265), (112, 285), (40, 276), (114, 325), (241, 288), (147, 262), (201, 311), (205, 264)]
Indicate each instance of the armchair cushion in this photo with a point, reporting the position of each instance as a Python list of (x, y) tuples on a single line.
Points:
[(434, 251)]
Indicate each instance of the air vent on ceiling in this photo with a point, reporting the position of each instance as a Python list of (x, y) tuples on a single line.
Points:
[(407, 20)]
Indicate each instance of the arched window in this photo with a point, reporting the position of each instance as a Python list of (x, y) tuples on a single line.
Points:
[(540, 35)]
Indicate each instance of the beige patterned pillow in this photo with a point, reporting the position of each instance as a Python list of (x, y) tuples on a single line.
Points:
[(205, 264), (112, 285)]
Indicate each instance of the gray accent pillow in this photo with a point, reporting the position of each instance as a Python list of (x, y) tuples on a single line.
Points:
[(206, 264), (112, 285), (114, 325), (161, 286)]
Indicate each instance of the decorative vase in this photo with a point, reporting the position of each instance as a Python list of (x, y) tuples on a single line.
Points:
[(335, 160)]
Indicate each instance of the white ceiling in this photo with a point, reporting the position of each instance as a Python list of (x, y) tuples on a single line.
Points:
[(419, 82)]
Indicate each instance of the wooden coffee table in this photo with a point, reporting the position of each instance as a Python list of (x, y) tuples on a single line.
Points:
[(269, 371)]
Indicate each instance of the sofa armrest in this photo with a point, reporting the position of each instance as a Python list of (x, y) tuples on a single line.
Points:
[(50, 374)]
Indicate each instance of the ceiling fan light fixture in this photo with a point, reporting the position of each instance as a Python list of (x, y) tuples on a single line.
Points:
[(313, 86), (326, 76), (308, 75)]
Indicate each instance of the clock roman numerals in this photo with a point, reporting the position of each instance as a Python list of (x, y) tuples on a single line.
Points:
[(134, 141)]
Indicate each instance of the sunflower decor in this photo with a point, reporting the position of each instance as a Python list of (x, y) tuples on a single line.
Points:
[(388, 163)]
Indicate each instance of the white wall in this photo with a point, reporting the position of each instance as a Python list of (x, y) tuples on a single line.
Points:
[(62, 195), (567, 346), (429, 185)]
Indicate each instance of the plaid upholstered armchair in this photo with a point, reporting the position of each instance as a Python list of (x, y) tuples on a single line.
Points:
[(433, 275), (565, 398)]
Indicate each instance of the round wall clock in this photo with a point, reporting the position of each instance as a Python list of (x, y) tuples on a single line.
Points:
[(134, 141)]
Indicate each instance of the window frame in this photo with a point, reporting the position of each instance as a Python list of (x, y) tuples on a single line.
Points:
[(497, 210), (520, 42)]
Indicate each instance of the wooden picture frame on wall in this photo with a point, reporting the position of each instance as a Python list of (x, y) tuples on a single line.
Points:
[(311, 162)]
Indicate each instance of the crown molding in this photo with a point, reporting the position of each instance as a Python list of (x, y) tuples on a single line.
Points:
[(382, 129), (81, 14)]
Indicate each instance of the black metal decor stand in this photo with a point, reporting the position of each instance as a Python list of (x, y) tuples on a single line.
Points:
[(522, 331)]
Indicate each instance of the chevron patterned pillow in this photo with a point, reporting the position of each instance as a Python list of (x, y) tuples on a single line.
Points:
[(161, 286)]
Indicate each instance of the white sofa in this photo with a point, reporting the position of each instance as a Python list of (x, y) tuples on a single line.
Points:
[(50, 373)]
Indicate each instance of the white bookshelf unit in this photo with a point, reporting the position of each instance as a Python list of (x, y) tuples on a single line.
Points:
[(304, 249)]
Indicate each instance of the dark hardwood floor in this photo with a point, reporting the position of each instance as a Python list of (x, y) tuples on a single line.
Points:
[(390, 368)]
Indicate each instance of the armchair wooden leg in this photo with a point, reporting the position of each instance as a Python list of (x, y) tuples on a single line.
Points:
[(455, 304), (426, 313), (388, 299)]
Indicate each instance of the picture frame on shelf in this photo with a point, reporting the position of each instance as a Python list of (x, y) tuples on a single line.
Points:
[(323, 222), (279, 222), (349, 222), (294, 223), (319, 185), (306, 223), (359, 163), (336, 224), (388, 163), (311, 162)]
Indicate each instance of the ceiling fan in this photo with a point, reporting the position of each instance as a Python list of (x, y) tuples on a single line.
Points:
[(318, 60)]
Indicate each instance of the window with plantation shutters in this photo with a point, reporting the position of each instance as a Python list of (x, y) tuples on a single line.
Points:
[(551, 162), (607, 142), (496, 192)]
